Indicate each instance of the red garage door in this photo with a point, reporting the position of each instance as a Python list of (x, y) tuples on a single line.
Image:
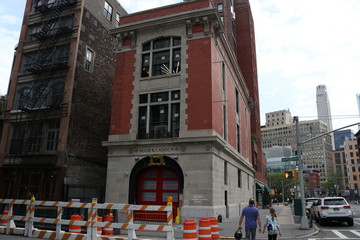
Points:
[(156, 184)]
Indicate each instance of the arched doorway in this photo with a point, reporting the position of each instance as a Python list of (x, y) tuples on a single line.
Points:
[(153, 179)]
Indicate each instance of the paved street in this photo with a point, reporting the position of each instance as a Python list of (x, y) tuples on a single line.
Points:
[(289, 225)]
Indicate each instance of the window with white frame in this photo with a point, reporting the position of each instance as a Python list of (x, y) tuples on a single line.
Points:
[(108, 11), (161, 56), (159, 115), (89, 60), (117, 19)]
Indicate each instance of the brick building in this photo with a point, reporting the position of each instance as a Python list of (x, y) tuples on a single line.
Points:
[(59, 101), (185, 111)]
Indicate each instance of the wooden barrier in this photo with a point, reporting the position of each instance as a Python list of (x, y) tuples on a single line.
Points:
[(91, 223)]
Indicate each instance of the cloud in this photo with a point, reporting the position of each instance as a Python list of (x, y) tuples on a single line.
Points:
[(302, 44), (135, 6)]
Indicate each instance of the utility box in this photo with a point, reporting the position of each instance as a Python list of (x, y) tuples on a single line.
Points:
[(297, 207)]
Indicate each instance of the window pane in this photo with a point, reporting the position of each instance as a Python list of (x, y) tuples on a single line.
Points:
[(160, 97), (142, 122), (158, 121), (147, 46), (175, 95), (175, 120), (170, 185), (149, 185), (169, 174), (149, 196), (176, 41), (162, 43), (174, 195), (145, 65), (151, 174), (161, 63), (176, 60), (143, 98)]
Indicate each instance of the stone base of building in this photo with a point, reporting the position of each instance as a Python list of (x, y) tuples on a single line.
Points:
[(197, 212)]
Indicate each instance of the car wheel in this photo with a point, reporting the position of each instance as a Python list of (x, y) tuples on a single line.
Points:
[(350, 222)]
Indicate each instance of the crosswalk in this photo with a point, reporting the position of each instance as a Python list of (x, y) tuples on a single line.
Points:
[(340, 234)]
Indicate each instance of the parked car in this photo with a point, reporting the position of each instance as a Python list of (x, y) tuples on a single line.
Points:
[(309, 202), (333, 209)]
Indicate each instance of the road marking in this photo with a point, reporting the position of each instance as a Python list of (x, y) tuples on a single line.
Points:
[(355, 232), (339, 234)]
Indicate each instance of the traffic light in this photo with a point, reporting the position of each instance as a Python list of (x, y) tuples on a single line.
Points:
[(296, 175), (289, 175)]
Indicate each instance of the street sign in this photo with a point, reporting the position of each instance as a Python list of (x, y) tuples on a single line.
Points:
[(295, 158)]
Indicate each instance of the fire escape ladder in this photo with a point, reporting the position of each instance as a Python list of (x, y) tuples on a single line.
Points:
[(44, 67)]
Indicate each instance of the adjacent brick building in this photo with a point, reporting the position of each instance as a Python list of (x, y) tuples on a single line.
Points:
[(185, 111), (59, 101)]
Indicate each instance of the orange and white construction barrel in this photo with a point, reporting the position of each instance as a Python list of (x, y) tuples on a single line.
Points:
[(190, 232), (214, 228), (75, 228), (4, 222), (109, 231), (99, 229), (204, 229)]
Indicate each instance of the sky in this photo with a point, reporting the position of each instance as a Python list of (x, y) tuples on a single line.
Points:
[(299, 44)]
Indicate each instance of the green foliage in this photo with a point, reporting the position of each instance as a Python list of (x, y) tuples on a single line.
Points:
[(332, 183), (278, 183)]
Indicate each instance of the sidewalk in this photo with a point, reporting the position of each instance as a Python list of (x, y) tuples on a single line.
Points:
[(289, 228)]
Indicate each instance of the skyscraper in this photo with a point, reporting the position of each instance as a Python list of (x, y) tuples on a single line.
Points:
[(323, 106)]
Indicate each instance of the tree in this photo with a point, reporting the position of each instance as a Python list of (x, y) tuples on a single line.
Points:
[(332, 183), (278, 183)]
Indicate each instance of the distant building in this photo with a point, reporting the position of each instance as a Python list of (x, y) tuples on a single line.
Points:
[(323, 106), (274, 157), (278, 118), (341, 136), (353, 163), (341, 166), (315, 154)]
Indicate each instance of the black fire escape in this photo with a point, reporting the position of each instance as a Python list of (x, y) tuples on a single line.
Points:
[(43, 68)]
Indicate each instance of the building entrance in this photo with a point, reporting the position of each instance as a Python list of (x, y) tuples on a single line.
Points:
[(156, 184)]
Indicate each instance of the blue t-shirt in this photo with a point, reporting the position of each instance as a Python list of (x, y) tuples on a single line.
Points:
[(250, 213)]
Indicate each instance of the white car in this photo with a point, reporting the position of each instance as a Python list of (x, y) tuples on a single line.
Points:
[(333, 209), (310, 201)]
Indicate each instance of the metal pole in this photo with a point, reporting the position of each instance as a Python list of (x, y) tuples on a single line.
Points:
[(304, 223), (282, 192)]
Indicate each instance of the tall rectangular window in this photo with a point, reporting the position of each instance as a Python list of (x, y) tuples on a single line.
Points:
[(237, 103), (108, 11), (238, 145), (239, 177), (117, 19), (159, 115), (224, 121), (89, 60), (225, 173)]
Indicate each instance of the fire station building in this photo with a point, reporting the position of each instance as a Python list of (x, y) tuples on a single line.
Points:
[(182, 110)]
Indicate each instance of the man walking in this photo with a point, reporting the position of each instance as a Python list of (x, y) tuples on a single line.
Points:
[(251, 214)]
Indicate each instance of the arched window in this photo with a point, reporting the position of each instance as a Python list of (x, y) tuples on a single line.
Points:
[(161, 56)]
